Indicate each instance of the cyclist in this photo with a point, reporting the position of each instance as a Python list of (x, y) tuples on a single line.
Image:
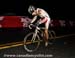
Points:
[(44, 19)]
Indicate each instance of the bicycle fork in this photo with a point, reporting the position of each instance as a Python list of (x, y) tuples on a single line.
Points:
[(34, 36)]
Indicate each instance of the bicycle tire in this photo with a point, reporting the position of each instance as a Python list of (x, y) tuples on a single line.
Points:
[(25, 40), (52, 36)]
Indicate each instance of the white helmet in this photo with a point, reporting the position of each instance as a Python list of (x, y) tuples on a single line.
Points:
[(31, 9)]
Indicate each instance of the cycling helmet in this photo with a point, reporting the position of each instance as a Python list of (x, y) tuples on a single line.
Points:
[(31, 9)]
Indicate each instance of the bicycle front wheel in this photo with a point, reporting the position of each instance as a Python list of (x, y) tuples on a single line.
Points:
[(29, 44)]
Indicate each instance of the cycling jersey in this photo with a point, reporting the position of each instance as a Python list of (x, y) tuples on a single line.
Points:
[(44, 16)]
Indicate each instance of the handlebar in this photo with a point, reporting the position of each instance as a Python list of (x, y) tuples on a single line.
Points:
[(35, 26)]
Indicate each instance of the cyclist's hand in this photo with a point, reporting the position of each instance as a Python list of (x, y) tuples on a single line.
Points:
[(30, 26)]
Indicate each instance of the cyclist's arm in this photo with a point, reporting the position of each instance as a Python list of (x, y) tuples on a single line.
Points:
[(34, 18)]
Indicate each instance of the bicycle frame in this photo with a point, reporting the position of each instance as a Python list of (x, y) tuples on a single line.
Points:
[(37, 29), (34, 38)]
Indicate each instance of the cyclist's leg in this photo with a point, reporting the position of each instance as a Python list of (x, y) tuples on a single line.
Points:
[(46, 36), (46, 33)]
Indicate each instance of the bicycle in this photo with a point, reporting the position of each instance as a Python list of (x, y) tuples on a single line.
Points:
[(32, 40)]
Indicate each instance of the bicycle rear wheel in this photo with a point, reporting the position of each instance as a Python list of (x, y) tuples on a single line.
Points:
[(30, 45), (52, 36)]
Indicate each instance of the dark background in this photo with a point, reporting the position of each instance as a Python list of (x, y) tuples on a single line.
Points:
[(60, 10), (56, 9)]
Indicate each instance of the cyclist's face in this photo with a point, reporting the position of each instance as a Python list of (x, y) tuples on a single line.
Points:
[(34, 13)]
